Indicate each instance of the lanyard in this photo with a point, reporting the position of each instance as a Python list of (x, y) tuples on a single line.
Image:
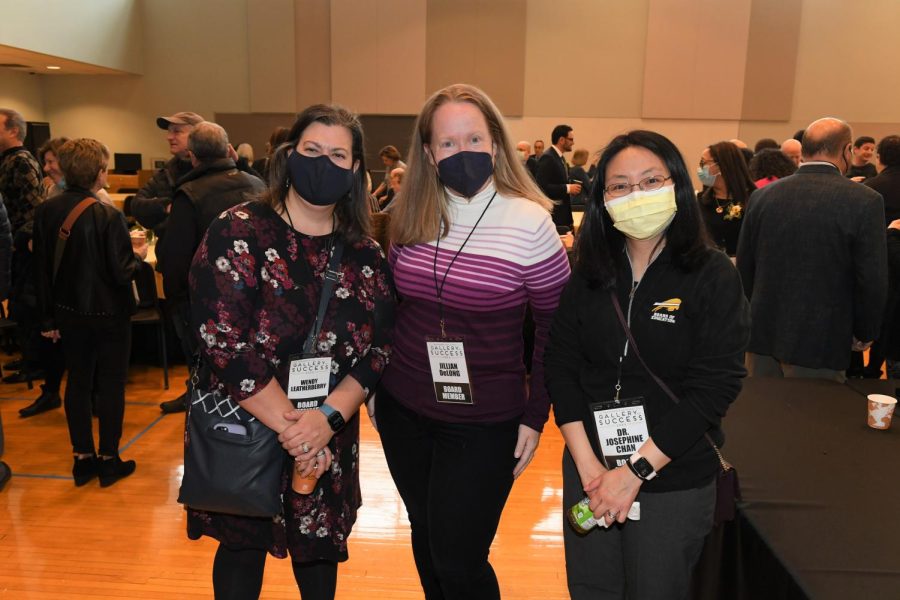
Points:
[(331, 276), (439, 288)]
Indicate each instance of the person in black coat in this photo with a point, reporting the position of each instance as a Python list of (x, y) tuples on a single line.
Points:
[(213, 186), (553, 176), (85, 298), (813, 261)]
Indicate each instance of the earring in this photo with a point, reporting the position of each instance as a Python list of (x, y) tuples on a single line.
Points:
[(287, 183)]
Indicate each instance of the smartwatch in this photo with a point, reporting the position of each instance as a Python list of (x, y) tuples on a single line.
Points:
[(334, 416), (641, 467)]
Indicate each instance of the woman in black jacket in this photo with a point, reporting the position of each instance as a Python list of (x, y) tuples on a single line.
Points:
[(85, 298), (643, 245)]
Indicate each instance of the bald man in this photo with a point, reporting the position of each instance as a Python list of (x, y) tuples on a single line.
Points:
[(813, 259), (792, 149), (528, 159)]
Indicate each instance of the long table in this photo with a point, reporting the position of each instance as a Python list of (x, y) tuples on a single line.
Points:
[(820, 496)]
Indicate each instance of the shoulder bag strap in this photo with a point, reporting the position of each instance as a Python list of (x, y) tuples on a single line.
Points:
[(662, 384), (332, 276), (66, 230)]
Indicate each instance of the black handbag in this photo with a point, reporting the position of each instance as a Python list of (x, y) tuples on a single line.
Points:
[(728, 488), (233, 463)]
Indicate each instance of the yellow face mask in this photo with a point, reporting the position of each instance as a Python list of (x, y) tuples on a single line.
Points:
[(641, 215)]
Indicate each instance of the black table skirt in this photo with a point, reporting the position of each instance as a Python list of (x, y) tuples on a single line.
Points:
[(820, 496)]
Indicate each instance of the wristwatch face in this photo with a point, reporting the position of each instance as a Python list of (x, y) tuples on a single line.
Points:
[(336, 420), (643, 467)]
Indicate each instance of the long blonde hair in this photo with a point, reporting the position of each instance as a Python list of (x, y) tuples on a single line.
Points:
[(419, 213)]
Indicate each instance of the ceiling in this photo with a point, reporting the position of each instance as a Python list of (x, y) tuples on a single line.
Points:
[(26, 61)]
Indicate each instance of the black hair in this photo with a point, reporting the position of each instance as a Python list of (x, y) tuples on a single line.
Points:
[(889, 151), (863, 139), (771, 162), (798, 135), (733, 171), (599, 243), (765, 143), (352, 211), (558, 132)]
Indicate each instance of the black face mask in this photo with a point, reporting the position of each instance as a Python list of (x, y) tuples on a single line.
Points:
[(465, 172), (318, 180)]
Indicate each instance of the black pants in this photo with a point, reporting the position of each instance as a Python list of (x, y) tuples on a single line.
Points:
[(53, 360), (97, 352), (454, 479)]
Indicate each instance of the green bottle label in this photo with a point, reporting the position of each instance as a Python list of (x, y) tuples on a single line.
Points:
[(581, 517)]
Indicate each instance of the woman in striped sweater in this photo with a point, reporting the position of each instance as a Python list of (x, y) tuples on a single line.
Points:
[(473, 244)]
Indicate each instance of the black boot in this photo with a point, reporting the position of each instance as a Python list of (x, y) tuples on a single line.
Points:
[(84, 470), (177, 405), (114, 469), (46, 401), (5, 474)]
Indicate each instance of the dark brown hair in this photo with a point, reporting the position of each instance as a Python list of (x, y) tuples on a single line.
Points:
[(51, 145), (733, 171), (351, 211), (390, 152)]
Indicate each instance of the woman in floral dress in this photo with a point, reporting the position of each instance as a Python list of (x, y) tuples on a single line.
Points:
[(255, 282)]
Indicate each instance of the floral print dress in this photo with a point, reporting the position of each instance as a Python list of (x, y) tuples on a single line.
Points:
[(255, 284)]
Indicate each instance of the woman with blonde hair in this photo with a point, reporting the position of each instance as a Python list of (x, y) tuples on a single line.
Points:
[(472, 245)]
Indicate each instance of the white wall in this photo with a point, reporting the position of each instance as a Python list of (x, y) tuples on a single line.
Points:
[(99, 32), (24, 93), (195, 62)]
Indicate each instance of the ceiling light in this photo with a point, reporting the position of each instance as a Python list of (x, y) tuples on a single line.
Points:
[(53, 67)]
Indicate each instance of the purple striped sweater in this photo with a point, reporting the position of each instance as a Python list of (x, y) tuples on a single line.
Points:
[(514, 257)]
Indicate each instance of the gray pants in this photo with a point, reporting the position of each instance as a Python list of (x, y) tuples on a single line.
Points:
[(641, 560), (761, 365)]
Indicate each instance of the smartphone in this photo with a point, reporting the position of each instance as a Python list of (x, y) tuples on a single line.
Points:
[(234, 428)]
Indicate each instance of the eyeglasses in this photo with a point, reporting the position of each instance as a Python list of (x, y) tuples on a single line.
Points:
[(703, 163), (648, 184)]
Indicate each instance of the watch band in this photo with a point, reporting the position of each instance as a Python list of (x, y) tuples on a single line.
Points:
[(641, 467), (334, 417)]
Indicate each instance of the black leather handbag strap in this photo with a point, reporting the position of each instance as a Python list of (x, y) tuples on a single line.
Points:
[(332, 276), (66, 229), (662, 384)]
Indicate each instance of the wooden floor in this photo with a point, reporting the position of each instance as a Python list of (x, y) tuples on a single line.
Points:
[(128, 541)]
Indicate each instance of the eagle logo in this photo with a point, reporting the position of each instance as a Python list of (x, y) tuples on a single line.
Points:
[(671, 305)]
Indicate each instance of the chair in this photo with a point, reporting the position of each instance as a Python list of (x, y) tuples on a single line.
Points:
[(149, 312)]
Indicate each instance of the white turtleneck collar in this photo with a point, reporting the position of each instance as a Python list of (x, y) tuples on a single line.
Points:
[(479, 198)]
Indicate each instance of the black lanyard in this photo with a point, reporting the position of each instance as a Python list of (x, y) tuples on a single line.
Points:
[(439, 288), (331, 276)]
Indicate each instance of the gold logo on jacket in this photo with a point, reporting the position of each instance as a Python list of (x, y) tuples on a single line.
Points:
[(662, 311)]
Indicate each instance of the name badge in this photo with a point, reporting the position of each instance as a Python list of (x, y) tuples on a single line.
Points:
[(447, 357), (308, 381), (621, 428)]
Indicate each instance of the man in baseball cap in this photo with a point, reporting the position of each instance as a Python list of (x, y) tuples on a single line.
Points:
[(150, 205)]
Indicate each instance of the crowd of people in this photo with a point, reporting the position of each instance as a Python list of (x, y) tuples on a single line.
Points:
[(784, 263)]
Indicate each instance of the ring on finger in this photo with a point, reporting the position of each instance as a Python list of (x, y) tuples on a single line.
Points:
[(321, 452), (612, 514), (305, 447)]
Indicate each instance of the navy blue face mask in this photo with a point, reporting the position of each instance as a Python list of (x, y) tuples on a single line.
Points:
[(318, 180), (466, 172)]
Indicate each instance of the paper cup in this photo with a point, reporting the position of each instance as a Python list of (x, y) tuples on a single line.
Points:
[(881, 409)]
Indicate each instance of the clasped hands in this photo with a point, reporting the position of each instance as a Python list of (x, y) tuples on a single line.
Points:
[(306, 439), (611, 492)]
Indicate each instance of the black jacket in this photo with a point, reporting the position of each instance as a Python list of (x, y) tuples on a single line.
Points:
[(697, 348), (890, 333), (201, 196), (552, 178), (813, 260), (150, 203), (5, 251), (887, 183), (94, 276)]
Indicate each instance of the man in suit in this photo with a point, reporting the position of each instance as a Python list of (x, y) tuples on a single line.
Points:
[(553, 176), (886, 183), (532, 163), (813, 259)]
